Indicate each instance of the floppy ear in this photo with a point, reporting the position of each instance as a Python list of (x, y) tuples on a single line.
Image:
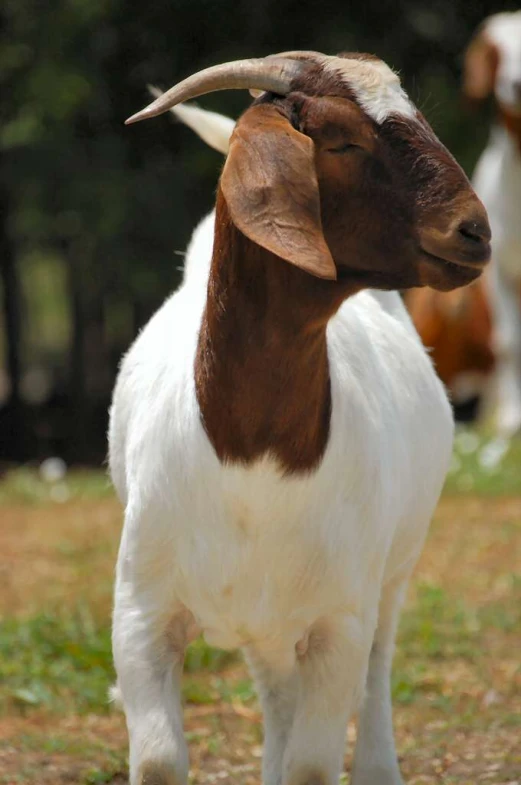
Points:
[(480, 67), (270, 185)]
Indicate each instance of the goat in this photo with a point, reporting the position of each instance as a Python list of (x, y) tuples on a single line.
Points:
[(493, 66), (455, 326), (278, 436)]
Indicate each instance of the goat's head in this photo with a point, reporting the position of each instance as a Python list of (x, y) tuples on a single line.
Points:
[(493, 62), (333, 169)]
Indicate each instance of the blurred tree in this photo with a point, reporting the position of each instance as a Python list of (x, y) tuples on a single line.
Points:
[(114, 204)]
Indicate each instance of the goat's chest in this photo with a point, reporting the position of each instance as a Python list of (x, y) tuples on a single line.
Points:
[(254, 552), (257, 551)]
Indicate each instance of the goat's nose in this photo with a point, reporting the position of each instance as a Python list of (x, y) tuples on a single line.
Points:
[(475, 230), (471, 236), (465, 240)]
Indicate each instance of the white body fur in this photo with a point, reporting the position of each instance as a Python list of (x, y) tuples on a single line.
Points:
[(497, 181), (282, 567)]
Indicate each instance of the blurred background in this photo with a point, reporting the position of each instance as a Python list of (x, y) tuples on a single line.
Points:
[(94, 216)]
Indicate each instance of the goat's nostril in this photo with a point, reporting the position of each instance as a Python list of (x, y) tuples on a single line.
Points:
[(475, 231)]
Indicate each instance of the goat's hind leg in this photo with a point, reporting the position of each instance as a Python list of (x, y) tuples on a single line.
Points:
[(149, 639)]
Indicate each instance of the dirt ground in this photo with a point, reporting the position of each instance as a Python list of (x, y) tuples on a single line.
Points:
[(457, 671)]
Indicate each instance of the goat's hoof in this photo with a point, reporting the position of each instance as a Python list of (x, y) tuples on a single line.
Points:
[(158, 774)]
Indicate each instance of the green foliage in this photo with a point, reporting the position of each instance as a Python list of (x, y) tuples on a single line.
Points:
[(56, 662)]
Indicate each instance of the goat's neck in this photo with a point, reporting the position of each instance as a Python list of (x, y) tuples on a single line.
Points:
[(261, 370)]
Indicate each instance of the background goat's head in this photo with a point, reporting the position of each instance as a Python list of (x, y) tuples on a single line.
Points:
[(334, 170), (493, 62)]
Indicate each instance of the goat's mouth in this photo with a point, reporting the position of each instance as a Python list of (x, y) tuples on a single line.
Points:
[(465, 243), (444, 274), (465, 248), (453, 262)]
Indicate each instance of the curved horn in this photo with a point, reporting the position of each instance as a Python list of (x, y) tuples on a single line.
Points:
[(299, 54), (294, 54), (274, 74)]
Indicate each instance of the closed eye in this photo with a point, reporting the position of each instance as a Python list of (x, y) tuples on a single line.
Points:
[(343, 149)]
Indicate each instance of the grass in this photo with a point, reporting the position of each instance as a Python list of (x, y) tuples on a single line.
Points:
[(59, 662), (63, 662), (39, 485), (457, 673), (484, 465)]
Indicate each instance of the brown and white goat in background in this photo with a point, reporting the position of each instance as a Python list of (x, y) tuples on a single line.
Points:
[(493, 67), (278, 435)]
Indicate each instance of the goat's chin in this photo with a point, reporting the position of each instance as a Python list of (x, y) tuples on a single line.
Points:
[(386, 280), (444, 276)]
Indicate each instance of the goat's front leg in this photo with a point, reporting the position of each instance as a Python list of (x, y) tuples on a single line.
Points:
[(375, 758), (332, 671), (149, 639), (276, 679)]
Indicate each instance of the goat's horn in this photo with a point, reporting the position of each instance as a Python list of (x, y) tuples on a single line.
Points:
[(298, 54), (274, 74)]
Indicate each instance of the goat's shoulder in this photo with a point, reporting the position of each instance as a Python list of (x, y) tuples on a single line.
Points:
[(383, 379), (154, 407), (373, 334), (390, 412)]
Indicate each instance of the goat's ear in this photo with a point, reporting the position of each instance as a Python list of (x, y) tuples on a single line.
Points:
[(480, 67), (270, 185)]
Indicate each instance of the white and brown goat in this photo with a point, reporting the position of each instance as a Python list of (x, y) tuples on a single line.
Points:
[(493, 67), (278, 436), (455, 326)]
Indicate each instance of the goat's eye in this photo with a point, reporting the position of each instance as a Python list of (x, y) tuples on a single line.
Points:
[(343, 149)]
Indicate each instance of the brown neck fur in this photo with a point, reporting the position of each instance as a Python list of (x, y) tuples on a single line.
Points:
[(261, 368)]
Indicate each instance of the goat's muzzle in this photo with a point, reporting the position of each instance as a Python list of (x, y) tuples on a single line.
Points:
[(465, 241)]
